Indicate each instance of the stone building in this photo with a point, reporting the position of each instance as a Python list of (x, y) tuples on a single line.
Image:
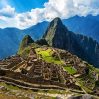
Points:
[(32, 53)]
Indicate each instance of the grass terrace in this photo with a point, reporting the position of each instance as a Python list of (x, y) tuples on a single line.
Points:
[(46, 54), (71, 70)]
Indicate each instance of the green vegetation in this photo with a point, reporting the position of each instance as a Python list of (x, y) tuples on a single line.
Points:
[(46, 54), (27, 40), (70, 69), (9, 87), (25, 52)]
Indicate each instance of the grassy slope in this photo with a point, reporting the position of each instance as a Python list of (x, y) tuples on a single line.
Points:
[(47, 55)]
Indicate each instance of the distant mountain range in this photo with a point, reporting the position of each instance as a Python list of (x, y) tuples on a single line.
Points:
[(10, 38), (88, 26)]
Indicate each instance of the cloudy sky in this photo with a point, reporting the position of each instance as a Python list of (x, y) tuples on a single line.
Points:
[(25, 13)]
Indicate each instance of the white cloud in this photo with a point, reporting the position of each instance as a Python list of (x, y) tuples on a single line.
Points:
[(52, 9), (30, 18), (8, 11)]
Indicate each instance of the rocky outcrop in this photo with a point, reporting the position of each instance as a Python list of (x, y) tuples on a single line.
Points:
[(27, 40)]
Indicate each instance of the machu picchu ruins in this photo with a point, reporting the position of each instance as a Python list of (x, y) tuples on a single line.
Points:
[(39, 71)]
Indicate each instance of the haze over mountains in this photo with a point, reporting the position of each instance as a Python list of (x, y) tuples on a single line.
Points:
[(10, 38), (88, 25)]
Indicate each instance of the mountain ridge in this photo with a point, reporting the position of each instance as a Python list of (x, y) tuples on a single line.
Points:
[(59, 36)]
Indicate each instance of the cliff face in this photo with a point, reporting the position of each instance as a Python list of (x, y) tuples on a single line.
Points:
[(57, 35)]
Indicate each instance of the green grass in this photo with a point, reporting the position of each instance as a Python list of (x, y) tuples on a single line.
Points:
[(70, 69), (47, 56), (9, 87)]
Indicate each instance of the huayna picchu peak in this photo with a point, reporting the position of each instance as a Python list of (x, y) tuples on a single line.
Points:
[(57, 35), (56, 21), (55, 28)]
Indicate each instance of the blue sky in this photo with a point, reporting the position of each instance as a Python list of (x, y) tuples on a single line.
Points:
[(25, 13), (26, 5)]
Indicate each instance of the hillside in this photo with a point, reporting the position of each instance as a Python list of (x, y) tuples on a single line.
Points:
[(27, 40), (43, 67), (58, 36)]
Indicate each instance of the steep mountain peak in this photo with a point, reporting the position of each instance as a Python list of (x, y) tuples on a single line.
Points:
[(56, 21), (56, 28), (27, 40)]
